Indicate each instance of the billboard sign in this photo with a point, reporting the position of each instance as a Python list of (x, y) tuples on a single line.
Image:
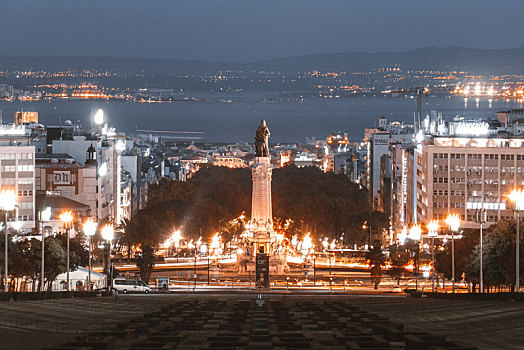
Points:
[(262, 270), (62, 177)]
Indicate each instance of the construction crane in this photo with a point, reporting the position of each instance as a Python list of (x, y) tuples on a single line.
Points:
[(419, 91)]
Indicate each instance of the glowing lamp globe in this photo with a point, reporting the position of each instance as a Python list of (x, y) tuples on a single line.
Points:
[(517, 196), (67, 218), (99, 117), (453, 221), (433, 228), (7, 200), (108, 232), (415, 232), (89, 227), (46, 214)]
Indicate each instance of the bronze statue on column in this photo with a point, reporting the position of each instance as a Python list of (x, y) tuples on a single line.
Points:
[(262, 140)]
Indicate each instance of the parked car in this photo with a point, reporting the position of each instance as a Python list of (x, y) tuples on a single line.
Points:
[(396, 289), (130, 286)]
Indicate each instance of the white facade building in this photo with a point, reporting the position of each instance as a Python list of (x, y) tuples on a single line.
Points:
[(17, 172), (379, 142), (108, 171)]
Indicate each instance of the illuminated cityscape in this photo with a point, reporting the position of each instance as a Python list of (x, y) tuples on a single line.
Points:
[(29, 86), (261, 175)]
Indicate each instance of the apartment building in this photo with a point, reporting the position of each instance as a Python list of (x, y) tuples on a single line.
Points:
[(379, 141), (462, 174), (61, 175), (17, 172)]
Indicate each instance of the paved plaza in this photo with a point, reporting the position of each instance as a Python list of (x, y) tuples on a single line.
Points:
[(269, 321)]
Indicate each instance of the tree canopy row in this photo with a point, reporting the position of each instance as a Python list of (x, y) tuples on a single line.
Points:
[(325, 204)]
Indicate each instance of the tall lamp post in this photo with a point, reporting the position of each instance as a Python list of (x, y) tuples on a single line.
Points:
[(415, 233), (177, 236), (453, 221), (45, 216), (7, 204), (192, 246), (517, 196), (481, 218), (67, 219), (432, 232), (108, 233), (364, 227), (198, 244), (89, 230)]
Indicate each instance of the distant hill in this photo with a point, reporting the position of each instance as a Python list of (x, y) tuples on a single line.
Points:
[(459, 58), (483, 61)]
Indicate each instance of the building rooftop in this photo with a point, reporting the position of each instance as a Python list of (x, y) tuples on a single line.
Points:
[(58, 203)]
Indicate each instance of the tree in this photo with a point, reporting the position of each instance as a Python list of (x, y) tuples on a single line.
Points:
[(121, 236), (463, 248), (20, 265), (330, 202), (34, 255), (215, 195), (498, 256), (146, 262), (79, 255), (54, 259), (376, 259)]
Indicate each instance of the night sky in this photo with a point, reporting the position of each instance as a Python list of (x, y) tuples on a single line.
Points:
[(248, 30)]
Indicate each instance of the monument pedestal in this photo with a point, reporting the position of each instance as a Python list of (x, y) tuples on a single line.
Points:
[(260, 238), (247, 263)]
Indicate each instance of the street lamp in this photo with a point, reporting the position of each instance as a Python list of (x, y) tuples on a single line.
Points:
[(108, 233), (191, 246), (99, 117), (176, 237), (89, 230), (67, 219), (453, 221), (403, 235), (517, 196), (7, 204), (433, 227), (415, 232), (481, 218), (45, 215), (364, 227), (314, 269)]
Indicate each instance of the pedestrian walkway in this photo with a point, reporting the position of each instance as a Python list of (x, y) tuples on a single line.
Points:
[(245, 321)]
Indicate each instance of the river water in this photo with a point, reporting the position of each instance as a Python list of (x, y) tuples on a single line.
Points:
[(224, 121)]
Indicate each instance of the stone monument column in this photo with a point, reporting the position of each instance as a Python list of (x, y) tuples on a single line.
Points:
[(261, 208), (260, 238)]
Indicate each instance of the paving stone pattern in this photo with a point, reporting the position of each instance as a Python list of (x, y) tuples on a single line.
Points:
[(259, 324)]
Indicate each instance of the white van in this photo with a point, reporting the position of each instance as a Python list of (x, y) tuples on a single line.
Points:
[(131, 286)]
